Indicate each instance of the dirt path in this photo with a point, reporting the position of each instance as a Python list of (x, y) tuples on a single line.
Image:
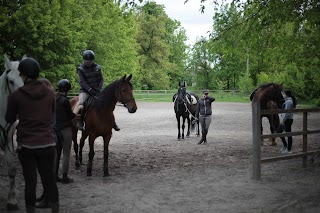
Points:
[(151, 171)]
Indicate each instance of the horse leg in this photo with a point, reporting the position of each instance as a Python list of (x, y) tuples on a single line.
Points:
[(9, 158), (75, 146), (189, 123), (91, 155), (106, 140), (178, 121), (272, 122), (198, 128), (82, 140), (183, 125)]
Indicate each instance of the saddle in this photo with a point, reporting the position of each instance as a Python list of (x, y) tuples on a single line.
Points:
[(191, 99)]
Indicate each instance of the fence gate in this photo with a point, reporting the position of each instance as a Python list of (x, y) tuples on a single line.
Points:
[(257, 137)]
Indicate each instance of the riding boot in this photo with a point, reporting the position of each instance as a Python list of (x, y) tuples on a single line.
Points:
[(44, 204), (80, 123), (55, 207), (200, 142), (115, 127), (66, 179), (30, 209), (205, 140)]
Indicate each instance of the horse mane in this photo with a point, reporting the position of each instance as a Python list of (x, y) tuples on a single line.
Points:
[(262, 87), (107, 95)]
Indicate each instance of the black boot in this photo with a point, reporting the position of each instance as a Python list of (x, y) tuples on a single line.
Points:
[(115, 127), (200, 142), (30, 209), (44, 204), (58, 179), (205, 141), (55, 208), (80, 123), (66, 179)]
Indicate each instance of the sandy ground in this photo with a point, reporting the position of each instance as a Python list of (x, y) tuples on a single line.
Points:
[(152, 171)]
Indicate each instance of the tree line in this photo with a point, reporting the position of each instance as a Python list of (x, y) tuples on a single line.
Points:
[(251, 43)]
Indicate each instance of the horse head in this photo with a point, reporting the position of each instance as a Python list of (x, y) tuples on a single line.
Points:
[(182, 92), (268, 92), (12, 75), (125, 94)]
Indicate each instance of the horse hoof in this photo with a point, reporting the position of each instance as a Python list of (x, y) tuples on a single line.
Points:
[(12, 207), (89, 174), (106, 174)]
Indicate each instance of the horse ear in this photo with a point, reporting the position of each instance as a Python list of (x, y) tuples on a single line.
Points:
[(129, 77), (179, 84), (24, 56), (7, 61), (184, 84), (124, 77)]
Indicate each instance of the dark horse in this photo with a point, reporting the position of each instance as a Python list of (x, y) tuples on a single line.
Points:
[(270, 97), (185, 106), (99, 119)]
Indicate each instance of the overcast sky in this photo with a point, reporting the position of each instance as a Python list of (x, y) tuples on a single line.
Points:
[(197, 24)]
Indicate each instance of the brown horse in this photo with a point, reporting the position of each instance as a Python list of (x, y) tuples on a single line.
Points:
[(270, 97), (99, 119)]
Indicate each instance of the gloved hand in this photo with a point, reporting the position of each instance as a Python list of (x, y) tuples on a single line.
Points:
[(93, 91)]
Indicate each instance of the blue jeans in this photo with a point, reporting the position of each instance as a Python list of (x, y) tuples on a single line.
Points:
[(44, 160)]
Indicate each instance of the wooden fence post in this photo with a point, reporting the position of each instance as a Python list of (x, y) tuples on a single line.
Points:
[(256, 140), (304, 138)]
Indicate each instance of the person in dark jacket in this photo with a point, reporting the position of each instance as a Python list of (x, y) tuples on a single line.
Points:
[(203, 113), (34, 105), (62, 127), (91, 82)]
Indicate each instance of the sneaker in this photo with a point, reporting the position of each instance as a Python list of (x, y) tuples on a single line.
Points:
[(285, 151)]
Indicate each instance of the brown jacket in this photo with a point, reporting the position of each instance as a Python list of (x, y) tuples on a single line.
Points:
[(34, 105)]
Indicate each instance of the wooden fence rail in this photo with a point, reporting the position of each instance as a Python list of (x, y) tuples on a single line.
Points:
[(257, 138)]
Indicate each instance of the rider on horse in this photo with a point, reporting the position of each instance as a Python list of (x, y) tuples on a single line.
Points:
[(91, 81)]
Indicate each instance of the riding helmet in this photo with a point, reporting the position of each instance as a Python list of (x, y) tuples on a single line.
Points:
[(64, 85), (88, 55), (29, 67)]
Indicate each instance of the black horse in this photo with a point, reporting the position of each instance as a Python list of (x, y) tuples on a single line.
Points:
[(185, 106), (270, 97)]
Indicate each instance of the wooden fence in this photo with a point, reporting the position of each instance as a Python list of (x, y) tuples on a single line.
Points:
[(257, 138)]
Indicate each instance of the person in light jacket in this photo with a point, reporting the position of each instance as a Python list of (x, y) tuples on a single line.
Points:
[(287, 120), (203, 113)]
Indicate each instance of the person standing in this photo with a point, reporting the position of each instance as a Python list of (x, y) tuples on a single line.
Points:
[(203, 113), (62, 127), (34, 105), (91, 82), (287, 120)]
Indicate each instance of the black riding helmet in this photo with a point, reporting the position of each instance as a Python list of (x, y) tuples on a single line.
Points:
[(64, 85), (88, 55), (29, 67)]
